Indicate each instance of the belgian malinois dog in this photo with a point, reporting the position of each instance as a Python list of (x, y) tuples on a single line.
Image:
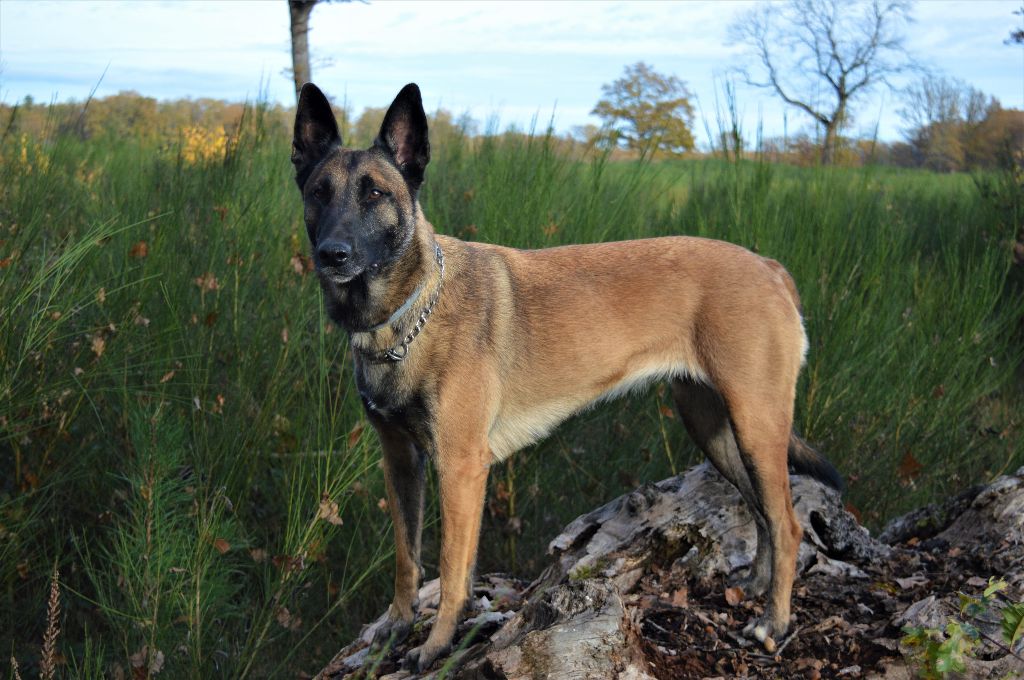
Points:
[(467, 352)]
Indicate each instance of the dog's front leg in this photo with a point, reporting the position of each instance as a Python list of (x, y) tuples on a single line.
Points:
[(463, 483), (404, 476)]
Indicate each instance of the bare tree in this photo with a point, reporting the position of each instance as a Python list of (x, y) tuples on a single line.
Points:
[(299, 12), (820, 56)]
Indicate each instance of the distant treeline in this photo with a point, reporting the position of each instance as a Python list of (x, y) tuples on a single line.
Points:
[(977, 139)]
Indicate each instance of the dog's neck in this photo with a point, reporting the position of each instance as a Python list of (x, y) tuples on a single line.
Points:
[(397, 301)]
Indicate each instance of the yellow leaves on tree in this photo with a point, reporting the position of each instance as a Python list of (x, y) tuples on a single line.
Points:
[(647, 112)]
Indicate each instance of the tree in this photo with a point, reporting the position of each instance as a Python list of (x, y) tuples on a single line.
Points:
[(1017, 34), (647, 111), (821, 56), (941, 113), (299, 12)]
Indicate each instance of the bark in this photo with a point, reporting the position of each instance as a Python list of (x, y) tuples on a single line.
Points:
[(299, 11), (639, 589)]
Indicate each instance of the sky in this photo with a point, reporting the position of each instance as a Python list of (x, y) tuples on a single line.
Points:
[(515, 62)]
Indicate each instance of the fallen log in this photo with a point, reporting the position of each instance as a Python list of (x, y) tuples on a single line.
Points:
[(640, 588)]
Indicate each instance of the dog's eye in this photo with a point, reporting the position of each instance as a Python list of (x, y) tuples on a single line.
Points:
[(376, 193), (320, 192)]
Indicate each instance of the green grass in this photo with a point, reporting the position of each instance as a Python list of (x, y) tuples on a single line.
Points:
[(172, 422)]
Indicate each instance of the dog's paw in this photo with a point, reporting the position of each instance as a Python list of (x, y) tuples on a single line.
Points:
[(765, 631), (391, 633), (423, 657)]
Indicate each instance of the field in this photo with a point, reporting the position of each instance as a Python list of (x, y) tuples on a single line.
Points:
[(179, 434)]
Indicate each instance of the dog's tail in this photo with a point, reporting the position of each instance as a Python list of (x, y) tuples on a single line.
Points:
[(804, 460)]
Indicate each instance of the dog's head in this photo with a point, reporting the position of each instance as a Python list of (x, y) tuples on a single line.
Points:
[(360, 206)]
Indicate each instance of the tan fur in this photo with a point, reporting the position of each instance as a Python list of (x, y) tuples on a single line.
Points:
[(519, 340), (565, 327)]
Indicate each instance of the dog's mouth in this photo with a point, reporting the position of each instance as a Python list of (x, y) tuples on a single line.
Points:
[(338, 276)]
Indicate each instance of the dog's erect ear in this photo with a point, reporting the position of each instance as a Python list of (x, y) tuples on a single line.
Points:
[(404, 135), (316, 132)]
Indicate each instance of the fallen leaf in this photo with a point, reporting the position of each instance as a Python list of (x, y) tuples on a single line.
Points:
[(667, 411), (911, 581), (139, 658), (6, 262), (207, 282), (909, 468), (167, 376), (329, 511), (355, 433), (99, 345), (139, 249), (258, 555), (383, 504), (221, 545), (284, 335), (733, 596), (287, 620), (101, 295), (680, 598)]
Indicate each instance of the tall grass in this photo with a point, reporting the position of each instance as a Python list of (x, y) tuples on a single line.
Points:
[(179, 433)]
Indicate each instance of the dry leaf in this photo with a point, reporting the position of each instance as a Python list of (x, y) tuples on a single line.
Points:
[(667, 411), (355, 433), (99, 345), (287, 620), (139, 658), (6, 262), (221, 545), (908, 469), (733, 596), (207, 282), (258, 555), (139, 250), (284, 335), (167, 376), (383, 504), (680, 598), (101, 295), (329, 511)]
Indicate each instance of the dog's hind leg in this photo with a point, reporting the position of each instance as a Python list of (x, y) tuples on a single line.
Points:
[(707, 420), (762, 424), (404, 476)]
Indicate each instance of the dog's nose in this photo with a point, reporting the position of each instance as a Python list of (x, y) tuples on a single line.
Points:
[(333, 253)]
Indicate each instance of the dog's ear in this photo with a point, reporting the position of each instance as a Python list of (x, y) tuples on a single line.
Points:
[(403, 135), (316, 132)]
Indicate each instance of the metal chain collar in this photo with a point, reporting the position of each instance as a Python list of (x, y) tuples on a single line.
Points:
[(401, 350)]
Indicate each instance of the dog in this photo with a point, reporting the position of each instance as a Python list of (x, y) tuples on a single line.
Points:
[(466, 352)]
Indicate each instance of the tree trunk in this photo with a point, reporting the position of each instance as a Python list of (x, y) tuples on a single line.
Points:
[(300, 11), (828, 147)]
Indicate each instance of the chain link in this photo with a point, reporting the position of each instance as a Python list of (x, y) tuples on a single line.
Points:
[(401, 350)]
